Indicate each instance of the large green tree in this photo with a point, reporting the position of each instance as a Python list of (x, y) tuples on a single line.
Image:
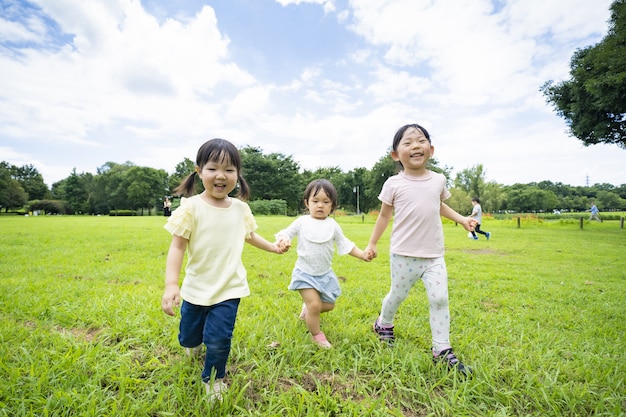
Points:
[(471, 180), (76, 190), (144, 187), (530, 199), (110, 186), (593, 101), (31, 181), (271, 177)]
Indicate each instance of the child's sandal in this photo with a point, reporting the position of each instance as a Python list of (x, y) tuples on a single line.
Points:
[(321, 341)]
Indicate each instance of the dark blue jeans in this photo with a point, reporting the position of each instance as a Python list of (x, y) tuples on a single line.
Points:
[(213, 326)]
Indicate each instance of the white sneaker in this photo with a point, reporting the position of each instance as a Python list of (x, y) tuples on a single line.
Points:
[(215, 391), (194, 352)]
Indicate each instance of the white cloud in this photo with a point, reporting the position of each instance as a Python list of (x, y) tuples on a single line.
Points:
[(328, 5)]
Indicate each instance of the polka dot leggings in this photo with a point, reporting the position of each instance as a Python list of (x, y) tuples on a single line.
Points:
[(405, 271)]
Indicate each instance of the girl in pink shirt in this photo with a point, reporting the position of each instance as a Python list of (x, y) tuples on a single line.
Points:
[(414, 198)]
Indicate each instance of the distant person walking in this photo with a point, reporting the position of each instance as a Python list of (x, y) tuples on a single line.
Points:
[(167, 207), (211, 228), (477, 214), (595, 213)]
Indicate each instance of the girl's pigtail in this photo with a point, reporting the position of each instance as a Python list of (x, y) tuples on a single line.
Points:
[(244, 189), (188, 186)]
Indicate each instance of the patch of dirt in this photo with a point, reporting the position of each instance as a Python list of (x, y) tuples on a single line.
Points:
[(485, 251)]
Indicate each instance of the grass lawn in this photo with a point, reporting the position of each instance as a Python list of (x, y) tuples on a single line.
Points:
[(538, 312)]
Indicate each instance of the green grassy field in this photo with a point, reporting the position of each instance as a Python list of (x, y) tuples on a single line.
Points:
[(538, 312)]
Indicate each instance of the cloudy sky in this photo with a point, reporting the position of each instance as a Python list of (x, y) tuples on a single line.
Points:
[(328, 82)]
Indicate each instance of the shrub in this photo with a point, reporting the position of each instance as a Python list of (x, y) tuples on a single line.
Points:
[(122, 213), (50, 206), (268, 207)]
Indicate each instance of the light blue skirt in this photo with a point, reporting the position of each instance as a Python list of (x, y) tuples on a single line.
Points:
[(327, 285)]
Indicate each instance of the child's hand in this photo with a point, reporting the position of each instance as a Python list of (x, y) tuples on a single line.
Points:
[(171, 299), (469, 224), (283, 244), (280, 249), (371, 252)]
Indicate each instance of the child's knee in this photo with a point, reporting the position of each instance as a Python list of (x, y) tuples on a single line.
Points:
[(218, 346), (314, 307), (439, 301)]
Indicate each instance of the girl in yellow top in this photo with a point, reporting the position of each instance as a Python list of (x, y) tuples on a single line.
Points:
[(212, 227)]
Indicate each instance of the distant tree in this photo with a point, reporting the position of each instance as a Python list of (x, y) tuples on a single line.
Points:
[(593, 101), (356, 182), (604, 187), (471, 180), (12, 195), (271, 177), (31, 181), (181, 171), (460, 201), (75, 190), (384, 168), (530, 199), (144, 187), (492, 197), (608, 200), (110, 186)]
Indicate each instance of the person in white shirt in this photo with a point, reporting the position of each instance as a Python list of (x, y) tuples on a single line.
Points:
[(317, 236), (414, 199), (477, 214)]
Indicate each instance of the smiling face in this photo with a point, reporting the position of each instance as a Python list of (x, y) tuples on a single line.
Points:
[(219, 178), (413, 151), (320, 205)]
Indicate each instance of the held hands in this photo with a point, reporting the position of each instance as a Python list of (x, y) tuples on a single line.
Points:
[(371, 252), (171, 299), (283, 244), (365, 256)]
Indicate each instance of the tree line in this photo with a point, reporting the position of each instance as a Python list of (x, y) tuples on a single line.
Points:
[(277, 182)]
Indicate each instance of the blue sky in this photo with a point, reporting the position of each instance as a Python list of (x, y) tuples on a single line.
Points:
[(85, 82)]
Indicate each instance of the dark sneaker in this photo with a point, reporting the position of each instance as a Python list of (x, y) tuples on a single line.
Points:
[(448, 356), (385, 334), (488, 235)]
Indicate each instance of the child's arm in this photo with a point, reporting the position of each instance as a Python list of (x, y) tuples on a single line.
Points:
[(449, 213), (173, 265), (358, 253), (386, 212), (283, 238), (260, 242)]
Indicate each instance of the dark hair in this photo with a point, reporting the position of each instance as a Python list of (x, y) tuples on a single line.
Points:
[(476, 200), (215, 150), (400, 133), (315, 186)]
